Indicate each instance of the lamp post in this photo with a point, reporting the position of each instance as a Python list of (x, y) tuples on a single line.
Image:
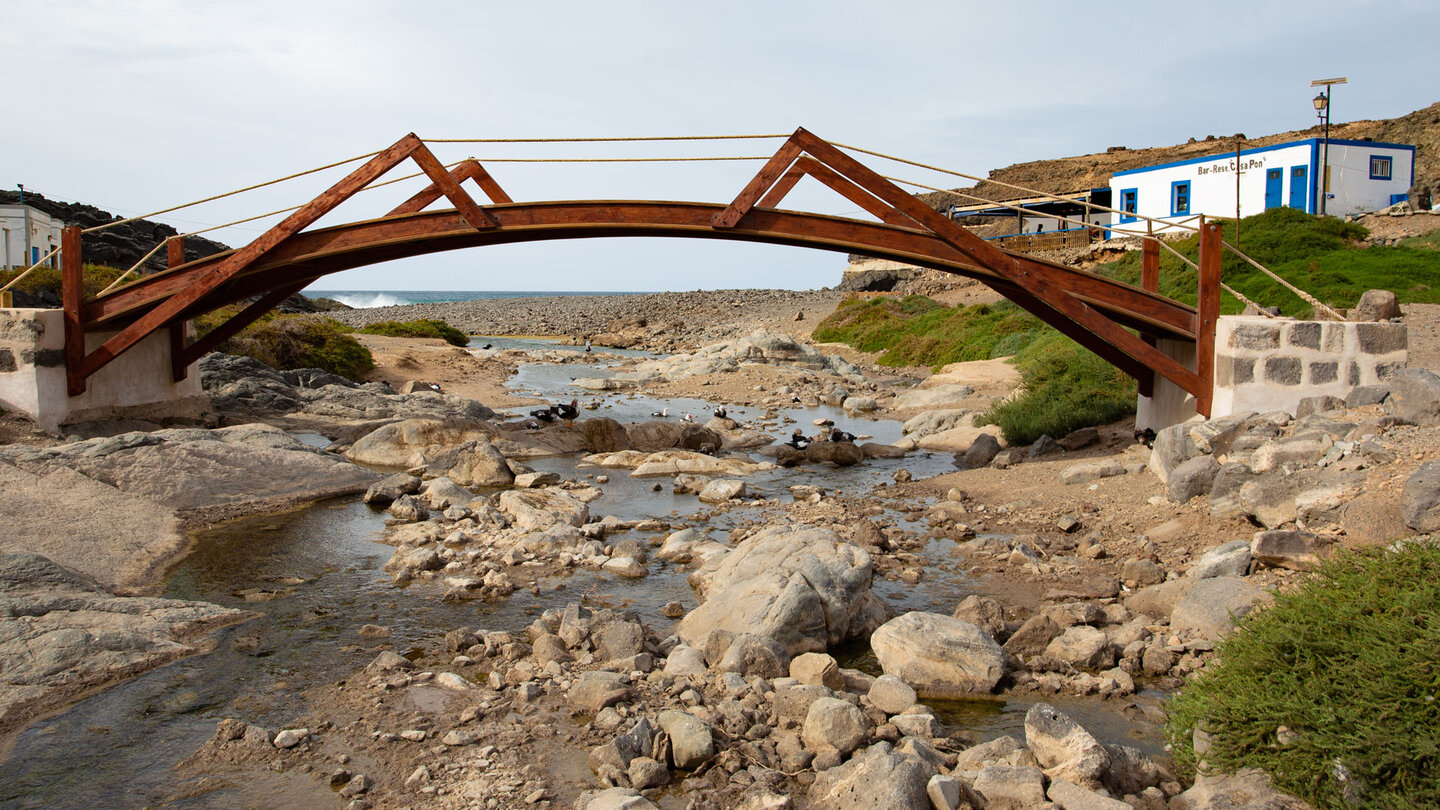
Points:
[(1322, 111)]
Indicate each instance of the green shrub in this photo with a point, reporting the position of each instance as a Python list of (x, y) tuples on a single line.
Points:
[(1063, 387), (1350, 663), (426, 328), (97, 278), (303, 341), (916, 331)]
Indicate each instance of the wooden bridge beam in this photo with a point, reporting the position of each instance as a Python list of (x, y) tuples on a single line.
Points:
[(72, 291), (1207, 313), (466, 170), (202, 284)]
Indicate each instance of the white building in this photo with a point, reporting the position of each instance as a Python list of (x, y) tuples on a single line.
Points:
[(27, 235), (1362, 176)]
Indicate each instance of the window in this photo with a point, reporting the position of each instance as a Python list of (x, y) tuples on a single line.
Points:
[(1129, 198), (1179, 198), (1379, 167)]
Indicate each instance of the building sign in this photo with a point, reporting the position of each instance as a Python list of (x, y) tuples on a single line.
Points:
[(1229, 166)]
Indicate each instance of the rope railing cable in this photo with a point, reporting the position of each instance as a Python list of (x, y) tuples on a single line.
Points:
[(635, 139), (1161, 242), (229, 193)]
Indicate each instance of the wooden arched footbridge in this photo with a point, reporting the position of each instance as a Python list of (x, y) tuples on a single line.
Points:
[(1120, 322)]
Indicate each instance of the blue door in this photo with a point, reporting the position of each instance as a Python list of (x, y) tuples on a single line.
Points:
[(1299, 188), (1274, 182)]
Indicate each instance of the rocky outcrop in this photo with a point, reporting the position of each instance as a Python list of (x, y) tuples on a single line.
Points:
[(61, 634)]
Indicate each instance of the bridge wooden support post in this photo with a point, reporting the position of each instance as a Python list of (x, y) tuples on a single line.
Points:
[(72, 292), (1207, 307), (174, 257), (1150, 282)]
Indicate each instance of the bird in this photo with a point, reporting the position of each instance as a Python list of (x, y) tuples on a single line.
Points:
[(838, 435), (794, 397), (544, 414), (567, 412), (661, 414), (798, 440), (688, 417), (487, 345), (719, 412)]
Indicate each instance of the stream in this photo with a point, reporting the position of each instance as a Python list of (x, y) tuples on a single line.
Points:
[(315, 577)]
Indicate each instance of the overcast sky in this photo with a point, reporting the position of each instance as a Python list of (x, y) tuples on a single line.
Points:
[(136, 106)]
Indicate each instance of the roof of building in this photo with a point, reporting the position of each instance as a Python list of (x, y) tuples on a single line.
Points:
[(1256, 150)]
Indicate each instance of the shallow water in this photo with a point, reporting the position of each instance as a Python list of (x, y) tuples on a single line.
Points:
[(315, 577)]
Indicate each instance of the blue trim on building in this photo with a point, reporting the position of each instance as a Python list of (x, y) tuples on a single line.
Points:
[(1389, 167), (1176, 196), (1312, 141), (1134, 199), (1398, 198)]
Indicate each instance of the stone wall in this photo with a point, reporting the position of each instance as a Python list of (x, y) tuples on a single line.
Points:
[(135, 385), (1267, 364)]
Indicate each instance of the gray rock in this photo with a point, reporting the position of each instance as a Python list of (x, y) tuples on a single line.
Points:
[(692, 742), (1071, 796), (1270, 499), (1192, 477), (475, 463), (1293, 549), (1139, 572), (834, 724), (918, 724), (1210, 608), (981, 451), (859, 404), (414, 441), (1316, 405), (817, 669), (646, 773), (605, 435), (615, 798), (798, 585), (1231, 559), (1044, 446), (1077, 439), (1160, 600), (1064, 749), (389, 488), (891, 695), (1375, 305), (539, 509), (877, 777), (1362, 395), (1033, 636), (1083, 647), (751, 655), (722, 490), (596, 689), (841, 454), (407, 508), (1247, 789), (1010, 788), (983, 612), (1002, 749), (1225, 499), (1173, 446), (1088, 471), (1414, 396), (533, 480), (1420, 500), (937, 655)]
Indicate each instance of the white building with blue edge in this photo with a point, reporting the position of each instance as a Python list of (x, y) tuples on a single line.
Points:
[(1359, 176)]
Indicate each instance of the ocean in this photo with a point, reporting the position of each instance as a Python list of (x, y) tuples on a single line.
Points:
[(367, 299)]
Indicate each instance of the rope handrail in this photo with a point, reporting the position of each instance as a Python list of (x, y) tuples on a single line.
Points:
[(624, 160), (631, 139), (229, 193)]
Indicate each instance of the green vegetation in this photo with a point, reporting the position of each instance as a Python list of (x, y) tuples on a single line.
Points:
[(1323, 256), (916, 331), (426, 328), (1350, 664), (97, 278), (302, 341), (1065, 386)]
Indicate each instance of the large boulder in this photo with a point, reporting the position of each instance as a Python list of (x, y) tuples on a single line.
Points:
[(1420, 501), (878, 778), (473, 464), (798, 585), (412, 442), (692, 743), (1063, 748), (672, 435), (933, 397), (605, 435), (1289, 548), (841, 454), (1414, 396), (1211, 607), (939, 656), (538, 509), (834, 724)]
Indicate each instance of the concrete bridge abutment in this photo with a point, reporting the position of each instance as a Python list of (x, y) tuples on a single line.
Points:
[(136, 385)]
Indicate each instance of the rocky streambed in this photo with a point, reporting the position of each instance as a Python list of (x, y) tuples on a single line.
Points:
[(634, 612)]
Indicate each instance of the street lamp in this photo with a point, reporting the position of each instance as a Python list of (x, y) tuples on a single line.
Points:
[(1322, 111)]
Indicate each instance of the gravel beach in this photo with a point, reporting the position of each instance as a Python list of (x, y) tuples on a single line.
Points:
[(677, 318)]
